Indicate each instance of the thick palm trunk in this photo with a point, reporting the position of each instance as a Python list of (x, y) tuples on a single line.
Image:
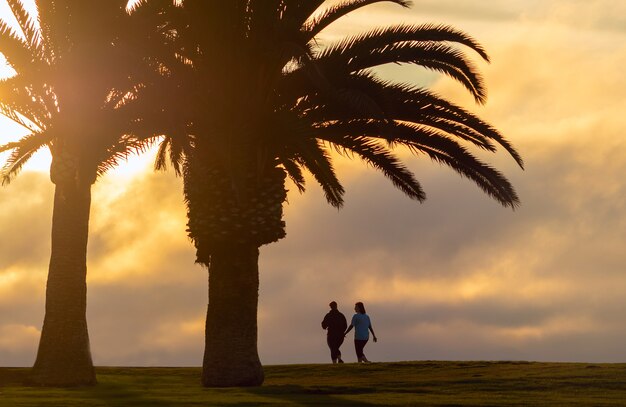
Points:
[(64, 357), (230, 355), (228, 222)]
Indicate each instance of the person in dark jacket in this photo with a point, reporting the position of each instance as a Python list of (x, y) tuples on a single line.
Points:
[(335, 324)]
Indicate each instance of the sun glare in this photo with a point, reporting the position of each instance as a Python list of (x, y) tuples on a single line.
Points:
[(136, 164), (133, 3), (11, 131)]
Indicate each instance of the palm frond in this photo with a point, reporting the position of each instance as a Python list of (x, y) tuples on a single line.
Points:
[(21, 151), (438, 147), (14, 49), (180, 148), (420, 106), (295, 173), (357, 101), (379, 157), (50, 29), (121, 150), (311, 155), (405, 103), (23, 117), (359, 53), (176, 150), (408, 103), (160, 161), (296, 12), (422, 33), (26, 24), (22, 103), (314, 26), (490, 180), (347, 95)]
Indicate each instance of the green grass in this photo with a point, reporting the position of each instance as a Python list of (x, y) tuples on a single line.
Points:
[(406, 383)]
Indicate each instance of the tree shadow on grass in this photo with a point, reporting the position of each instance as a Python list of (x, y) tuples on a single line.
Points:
[(117, 390), (119, 395), (109, 394), (313, 395), (13, 376)]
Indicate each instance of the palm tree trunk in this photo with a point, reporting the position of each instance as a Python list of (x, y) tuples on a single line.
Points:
[(64, 357), (230, 357), (229, 219)]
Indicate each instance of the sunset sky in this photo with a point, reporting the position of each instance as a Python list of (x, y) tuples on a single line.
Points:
[(455, 278)]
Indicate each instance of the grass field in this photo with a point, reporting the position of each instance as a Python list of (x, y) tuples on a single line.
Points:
[(406, 383)]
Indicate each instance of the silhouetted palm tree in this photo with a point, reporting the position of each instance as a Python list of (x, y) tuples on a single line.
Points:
[(70, 65), (262, 99)]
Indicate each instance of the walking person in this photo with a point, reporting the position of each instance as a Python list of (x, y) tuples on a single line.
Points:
[(335, 324), (362, 325)]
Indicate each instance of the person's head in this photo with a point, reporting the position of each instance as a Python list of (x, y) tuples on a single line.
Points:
[(333, 305), (359, 307)]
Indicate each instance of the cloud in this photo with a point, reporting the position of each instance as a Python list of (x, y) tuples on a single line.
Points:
[(147, 298), (30, 203), (16, 343), (155, 324), (146, 215)]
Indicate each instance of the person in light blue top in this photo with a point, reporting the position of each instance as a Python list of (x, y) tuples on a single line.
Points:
[(362, 327)]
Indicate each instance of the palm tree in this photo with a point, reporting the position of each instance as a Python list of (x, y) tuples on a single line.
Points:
[(71, 65), (263, 100)]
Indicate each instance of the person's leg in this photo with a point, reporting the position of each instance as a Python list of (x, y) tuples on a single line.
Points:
[(339, 342), (334, 343), (358, 346), (329, 341), (363, 358)]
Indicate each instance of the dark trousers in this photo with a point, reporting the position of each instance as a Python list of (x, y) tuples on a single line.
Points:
[(334, 342), (358, 346)]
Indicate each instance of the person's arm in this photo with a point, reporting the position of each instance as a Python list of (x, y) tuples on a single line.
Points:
[(349, 329), (325, 322), (373, 334)]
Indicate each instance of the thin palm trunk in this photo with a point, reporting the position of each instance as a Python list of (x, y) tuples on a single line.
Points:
[(230, 356), (64, 356)]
